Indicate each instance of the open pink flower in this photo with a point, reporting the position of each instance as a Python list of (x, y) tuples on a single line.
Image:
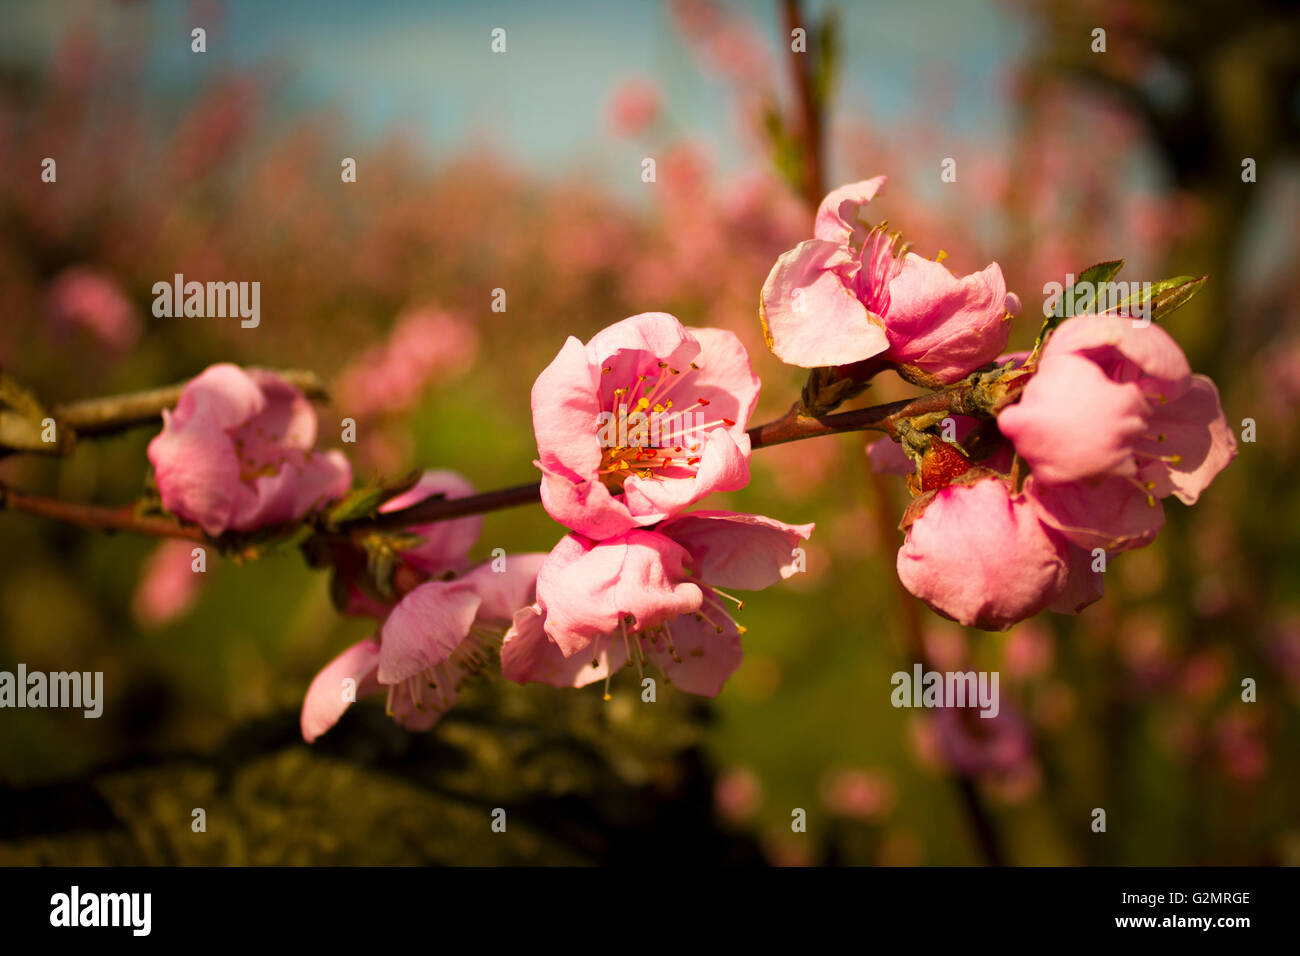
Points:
[(236, 453), (1114, 399), (431, 641), (641, 422), (978, 554), (649, 597), (847, 295)]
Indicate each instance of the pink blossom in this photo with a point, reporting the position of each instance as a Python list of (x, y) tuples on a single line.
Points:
[(86, 299), (848, 294), (168, 585), (424, 345), (997, 746), (1111, 398), (737, 795), (648, 597), (860, 794), (432, 640), (236, 453), (693, 389), (978, 554), (633, 106)]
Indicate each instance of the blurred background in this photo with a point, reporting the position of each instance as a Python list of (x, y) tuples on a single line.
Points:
[(522, 171)]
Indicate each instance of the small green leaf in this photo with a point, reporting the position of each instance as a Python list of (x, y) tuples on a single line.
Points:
[(1068, 306), (359, 503), (1093, 276), (1163, 297)]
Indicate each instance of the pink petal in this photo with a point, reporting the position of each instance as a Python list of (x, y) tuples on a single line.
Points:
[(325, 700), (1151, 349), (888, 458), (1196, 431), (837, 216), (586, 507), (657, 334), (811, 318), (425, 628), (529, 655), (732, 550), (1107, 513), (1083, 585), (725, 377), (588, 589), (1073, 422), (224, 394), (702, 657), (981, 557), (285, 420), (565, 413), (504, 592), (196, 470), (445, 543), (945, 325)]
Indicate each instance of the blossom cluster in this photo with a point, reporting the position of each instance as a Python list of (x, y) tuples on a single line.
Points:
[(1036, 467), (1085, 436)]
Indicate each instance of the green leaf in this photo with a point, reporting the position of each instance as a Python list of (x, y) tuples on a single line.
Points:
[(359, 503), (1163, 297), (1068, 306), (1093, 276)]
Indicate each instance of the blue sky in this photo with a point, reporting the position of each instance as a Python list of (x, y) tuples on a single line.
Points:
[(427, 65)]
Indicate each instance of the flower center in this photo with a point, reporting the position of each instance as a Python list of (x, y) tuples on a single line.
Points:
[(645, 433)]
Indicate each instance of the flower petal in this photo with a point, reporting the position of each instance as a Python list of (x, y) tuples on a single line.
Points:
[(811, 318), (328, 696), (529, 655), (733, 550), (837, 216), (425, 628)]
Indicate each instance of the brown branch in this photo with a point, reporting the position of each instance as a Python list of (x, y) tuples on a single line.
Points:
[(100, 416), (95, 517), (809, 116)]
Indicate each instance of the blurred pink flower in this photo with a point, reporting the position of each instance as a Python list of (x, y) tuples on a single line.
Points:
[(997, 746), (737, 795), (424, 346), (860, 794), (168, 586), (633, 106), (82, 298), (1028, 651)]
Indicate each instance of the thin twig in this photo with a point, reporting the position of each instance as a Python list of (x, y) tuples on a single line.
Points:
[(96, 517), (101, 416)]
